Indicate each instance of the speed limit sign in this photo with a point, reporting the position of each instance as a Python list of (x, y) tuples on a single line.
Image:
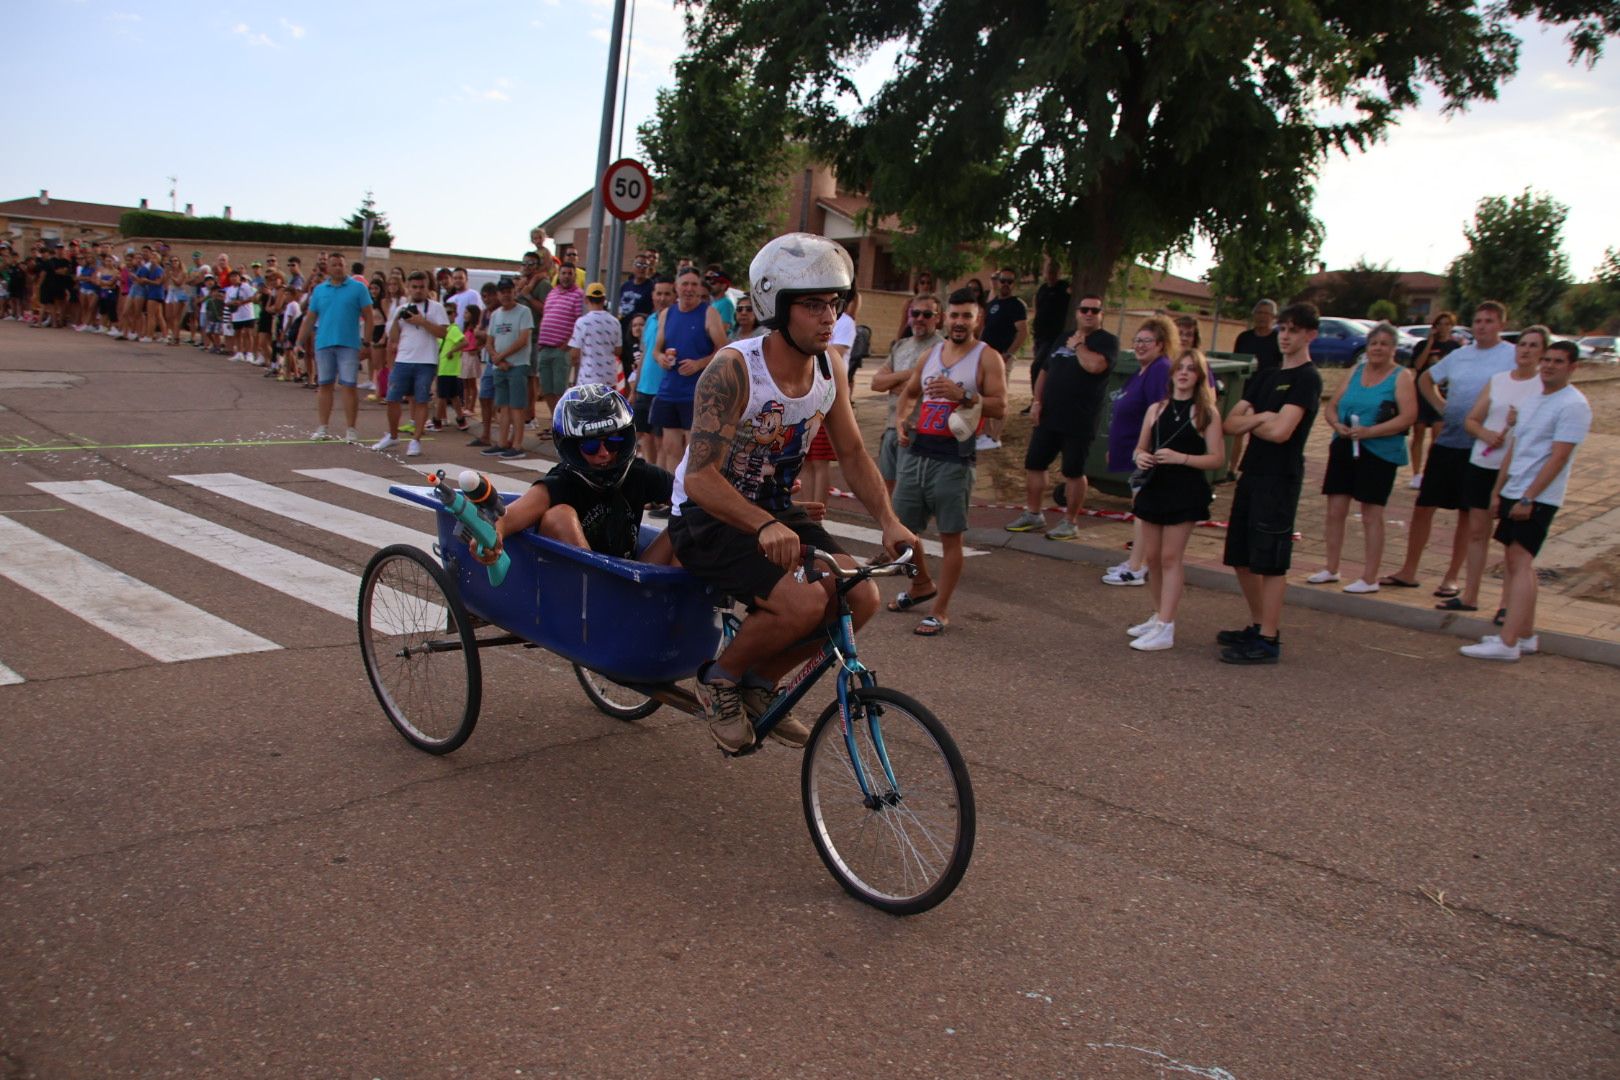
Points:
[(626, 189)]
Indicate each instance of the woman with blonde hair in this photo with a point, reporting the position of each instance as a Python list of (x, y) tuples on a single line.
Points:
[(1181, 440), (1153, 343)]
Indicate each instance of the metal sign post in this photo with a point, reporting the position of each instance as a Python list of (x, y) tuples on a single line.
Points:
[(593, 257)]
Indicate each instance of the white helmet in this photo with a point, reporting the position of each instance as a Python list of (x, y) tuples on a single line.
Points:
[(794, 264)]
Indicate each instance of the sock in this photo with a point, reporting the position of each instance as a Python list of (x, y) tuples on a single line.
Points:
[(714, 673), (759, 682)]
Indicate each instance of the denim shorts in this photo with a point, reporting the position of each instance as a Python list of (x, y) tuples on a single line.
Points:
[(339, 363), (486, 384), (414, 381), (512, 387)]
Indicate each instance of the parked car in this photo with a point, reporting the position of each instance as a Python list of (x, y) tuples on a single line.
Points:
[(1339, 342), (1602, 346), (1405, 344), (1461, 334)]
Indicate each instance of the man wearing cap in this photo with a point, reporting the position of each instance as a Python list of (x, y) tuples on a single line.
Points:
[(510, 328), (564, 306), (597, 343), (716, 281)]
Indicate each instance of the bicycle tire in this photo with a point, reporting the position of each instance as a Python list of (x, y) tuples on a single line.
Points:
[(406, 601), (596, 688), (928, 828)]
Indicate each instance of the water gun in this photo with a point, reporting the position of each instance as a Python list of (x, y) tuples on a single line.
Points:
[(475, 505)]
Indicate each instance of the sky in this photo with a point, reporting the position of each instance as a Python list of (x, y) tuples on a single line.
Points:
[(471, 123)]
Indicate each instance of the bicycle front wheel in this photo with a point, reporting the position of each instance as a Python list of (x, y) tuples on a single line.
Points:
[(417, 643), (904, 847)]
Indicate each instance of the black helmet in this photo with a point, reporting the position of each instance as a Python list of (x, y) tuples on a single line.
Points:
[(587, 413)]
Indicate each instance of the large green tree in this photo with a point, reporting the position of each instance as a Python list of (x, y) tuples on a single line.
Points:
[(1108, 130), (1515, 255), (719, 155), (1257, 263)]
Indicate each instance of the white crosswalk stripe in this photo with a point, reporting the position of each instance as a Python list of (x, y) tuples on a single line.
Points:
[(9, 677), (143, 617), (363, 528), (297, 576)]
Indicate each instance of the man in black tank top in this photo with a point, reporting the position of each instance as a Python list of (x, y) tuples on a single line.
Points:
[(799, 285)]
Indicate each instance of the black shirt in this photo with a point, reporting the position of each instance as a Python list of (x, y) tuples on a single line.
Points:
[(1072, 397), (1268, 391), (611, 519), (1051, 310), (635, 299), (1263, 349), (1001, 319)]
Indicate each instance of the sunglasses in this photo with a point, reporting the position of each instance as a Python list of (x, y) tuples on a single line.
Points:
[(1089, 310), (1004, 280), (920, 314), (590, 447)]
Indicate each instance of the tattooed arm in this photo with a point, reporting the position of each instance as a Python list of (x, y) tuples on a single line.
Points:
[(717, 406)]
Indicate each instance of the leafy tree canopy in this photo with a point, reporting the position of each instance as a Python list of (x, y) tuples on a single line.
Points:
[(1515, 255), (1105, 131)]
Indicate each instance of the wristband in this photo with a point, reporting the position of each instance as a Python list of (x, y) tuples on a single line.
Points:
[(765, 526)]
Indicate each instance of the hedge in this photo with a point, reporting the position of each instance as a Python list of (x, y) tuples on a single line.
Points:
[(179, 227)]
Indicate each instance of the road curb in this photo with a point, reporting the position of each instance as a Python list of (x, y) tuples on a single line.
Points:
[(1332, 602)]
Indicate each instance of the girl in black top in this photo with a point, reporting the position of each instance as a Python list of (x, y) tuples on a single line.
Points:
[(1431, 352), (1181, 439)]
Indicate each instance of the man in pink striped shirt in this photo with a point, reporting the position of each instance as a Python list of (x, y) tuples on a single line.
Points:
[(564, 305)]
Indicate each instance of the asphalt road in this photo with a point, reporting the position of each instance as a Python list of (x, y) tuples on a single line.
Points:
[(1373, 860)]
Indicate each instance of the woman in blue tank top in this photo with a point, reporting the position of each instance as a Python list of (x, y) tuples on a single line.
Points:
[(1369, 416)]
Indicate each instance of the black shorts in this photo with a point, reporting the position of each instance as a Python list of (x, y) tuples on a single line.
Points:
[(1530, 534), (1443, 478), (267, 321), (1045, 445), (449, 387), (639, 411), (1478, 484), (730, 559), (1366, 478), (1260, 535)]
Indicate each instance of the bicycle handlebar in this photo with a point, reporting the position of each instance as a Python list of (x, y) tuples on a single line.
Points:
[(812, 555)]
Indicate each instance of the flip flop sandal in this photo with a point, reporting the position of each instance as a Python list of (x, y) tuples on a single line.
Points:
[(1454, 604), (1446, 591), (905, 601), (1500, 617), (1391, 579), (930, 627)]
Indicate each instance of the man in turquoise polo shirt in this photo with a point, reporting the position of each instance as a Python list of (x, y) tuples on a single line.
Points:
[(337, 308)]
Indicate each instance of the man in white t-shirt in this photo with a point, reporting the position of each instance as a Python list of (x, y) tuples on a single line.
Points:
[(1491, 422), (415, 329), (1530, 488), (461, 297), (239, 297), (595, 344)]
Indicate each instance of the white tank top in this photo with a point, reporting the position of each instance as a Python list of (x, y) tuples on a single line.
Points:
[(934, 437), (773, 434)]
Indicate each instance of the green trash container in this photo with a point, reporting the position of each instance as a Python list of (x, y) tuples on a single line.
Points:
[(1232, 371)]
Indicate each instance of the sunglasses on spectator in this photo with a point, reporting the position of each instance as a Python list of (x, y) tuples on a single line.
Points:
[(921, 313), (1088, 309), (589, 447), (1004, 279)]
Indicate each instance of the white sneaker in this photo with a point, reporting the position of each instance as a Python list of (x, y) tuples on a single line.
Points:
[(1323, 577), (1143, 628), (236, 358), (384, 443), (1026, 521), (352, 435), (320, 433), (415, 449), (1417, 482), (985, 442), (1119, 568), (145, 341), (1126, 577), (116, 335), (1157, 640), (1360, 586), (1491, 648), (1528, 646)]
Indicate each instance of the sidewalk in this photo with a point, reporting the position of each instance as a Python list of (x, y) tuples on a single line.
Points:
[(1578, 607)]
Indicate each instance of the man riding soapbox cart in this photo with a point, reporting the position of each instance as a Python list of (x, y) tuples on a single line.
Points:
[(886, 793)]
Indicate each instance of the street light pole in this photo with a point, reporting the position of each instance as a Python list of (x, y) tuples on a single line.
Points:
[(593, 259)]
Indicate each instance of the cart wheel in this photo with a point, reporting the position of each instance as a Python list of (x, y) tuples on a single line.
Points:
[(906, 848), (417, 642), (619, 702)]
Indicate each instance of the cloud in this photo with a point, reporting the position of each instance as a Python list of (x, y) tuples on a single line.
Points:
[(122, 17), (292, 28), (254, 37), (494, 93), (600, 34)]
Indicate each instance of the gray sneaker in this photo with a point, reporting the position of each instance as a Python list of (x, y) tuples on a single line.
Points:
[(728, 720), (789, 731), (1063, 530), (1026, 521)]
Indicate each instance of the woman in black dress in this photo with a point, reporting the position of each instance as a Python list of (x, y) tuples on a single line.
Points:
[(1434, 348), (1181, 439)]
